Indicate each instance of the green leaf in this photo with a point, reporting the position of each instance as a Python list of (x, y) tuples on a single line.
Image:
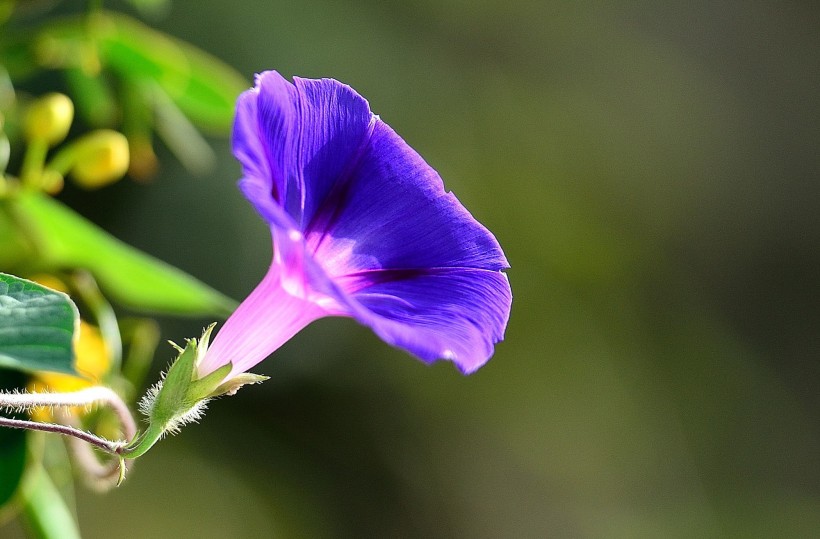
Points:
[(204, 88), (46, 513), (12, 447), (134, 279), (201, 85), (210, 95), (179, 135), (37, 327)]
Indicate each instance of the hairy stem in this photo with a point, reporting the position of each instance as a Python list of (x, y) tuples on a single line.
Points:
[(98, 475), (83, 397), (106, 445)]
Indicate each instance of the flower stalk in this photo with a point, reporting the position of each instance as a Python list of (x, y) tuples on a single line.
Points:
[(20, 402), (182, 395), (85, 397), (112, 447), (178, 399)]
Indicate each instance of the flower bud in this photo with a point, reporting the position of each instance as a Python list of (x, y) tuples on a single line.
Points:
[(52, 182), (49, 118), (101, 158)]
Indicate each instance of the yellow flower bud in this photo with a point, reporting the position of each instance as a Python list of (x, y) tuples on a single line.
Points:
[(101, 158), (49, 118)]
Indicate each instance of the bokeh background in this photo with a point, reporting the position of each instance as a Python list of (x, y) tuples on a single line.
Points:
[(651, 170)]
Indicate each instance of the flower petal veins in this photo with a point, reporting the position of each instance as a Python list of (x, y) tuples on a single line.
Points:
[(362, 227)]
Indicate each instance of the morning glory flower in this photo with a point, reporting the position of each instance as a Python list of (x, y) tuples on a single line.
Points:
[(362, 227)]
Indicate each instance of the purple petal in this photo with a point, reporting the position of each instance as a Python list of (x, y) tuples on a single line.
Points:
[(413, 256), (298, 140), (362, 227), (248, 147), (395, 214), (454, 314)]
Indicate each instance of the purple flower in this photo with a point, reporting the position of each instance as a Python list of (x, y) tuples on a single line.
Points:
[(362, 227)]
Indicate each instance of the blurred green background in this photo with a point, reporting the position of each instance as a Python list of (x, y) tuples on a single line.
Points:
[(650, 169)]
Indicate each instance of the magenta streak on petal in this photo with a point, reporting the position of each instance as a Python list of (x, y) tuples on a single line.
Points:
[(362, 227), (264, 321)]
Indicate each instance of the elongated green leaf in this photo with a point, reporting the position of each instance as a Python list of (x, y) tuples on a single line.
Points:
[(130, 277), (210, 96), (204, 88), (201, 85), (12, 447), (181, 137), (45, 511), (37, 327)]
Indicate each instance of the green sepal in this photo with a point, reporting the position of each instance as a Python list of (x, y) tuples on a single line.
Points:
[(166, 403), (204, 387), (181, 396), (172, 399), (230, 387)]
